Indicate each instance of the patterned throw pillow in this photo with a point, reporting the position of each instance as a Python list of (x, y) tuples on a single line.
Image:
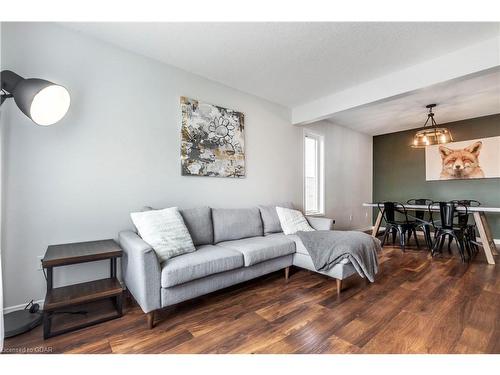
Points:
[(165, 231), (292, 221)]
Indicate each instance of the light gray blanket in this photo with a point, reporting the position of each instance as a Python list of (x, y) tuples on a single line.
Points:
[(329, 247)]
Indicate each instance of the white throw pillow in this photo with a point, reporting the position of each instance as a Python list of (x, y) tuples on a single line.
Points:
[(165, 231), (292, 221)]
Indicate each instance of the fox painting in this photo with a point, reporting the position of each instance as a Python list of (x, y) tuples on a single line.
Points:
[(461, 163)]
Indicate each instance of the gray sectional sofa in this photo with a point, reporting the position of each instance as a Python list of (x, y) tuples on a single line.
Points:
[(233, 245)]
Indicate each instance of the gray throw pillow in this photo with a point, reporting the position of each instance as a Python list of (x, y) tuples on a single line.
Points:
[(233, 224), (199, 223), (270, 217)]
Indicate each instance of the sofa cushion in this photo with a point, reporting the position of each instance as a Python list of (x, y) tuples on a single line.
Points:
[(233, 224), (206, 260), (270, 217), (260, 249), (199, 223), (299, 246)]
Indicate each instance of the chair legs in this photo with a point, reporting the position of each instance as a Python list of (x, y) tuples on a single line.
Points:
[(471, 239), (460, 238), (416, 238), (427, 236), (461, 247), (382, 243), (405, 234), (402, 240), (437, 240)]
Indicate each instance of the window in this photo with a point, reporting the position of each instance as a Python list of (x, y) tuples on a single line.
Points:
[(313, 174)]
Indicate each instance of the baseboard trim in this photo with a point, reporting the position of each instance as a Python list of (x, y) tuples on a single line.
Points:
[(9, 309)]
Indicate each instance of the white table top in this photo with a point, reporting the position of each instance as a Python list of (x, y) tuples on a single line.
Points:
[(436, 208)]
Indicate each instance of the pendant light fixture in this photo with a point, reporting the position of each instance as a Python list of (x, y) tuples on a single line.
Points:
[(432, 134)]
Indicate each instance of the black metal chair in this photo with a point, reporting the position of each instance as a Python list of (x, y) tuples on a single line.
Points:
[(395, 227), (421, 223), (463, 221), (448, 229)]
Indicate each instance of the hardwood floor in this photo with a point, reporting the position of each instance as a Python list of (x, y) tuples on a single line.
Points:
[(417, 305)]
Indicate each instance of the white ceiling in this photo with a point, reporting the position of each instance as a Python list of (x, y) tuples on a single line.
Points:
[(293, 63), (468, 97)]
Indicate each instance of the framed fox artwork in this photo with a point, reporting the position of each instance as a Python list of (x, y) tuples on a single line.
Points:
[(475, 158)]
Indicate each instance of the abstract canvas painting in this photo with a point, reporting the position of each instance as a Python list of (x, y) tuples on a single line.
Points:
[(212, 140), (475, 158)]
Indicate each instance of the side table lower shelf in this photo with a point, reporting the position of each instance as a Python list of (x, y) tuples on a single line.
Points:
[(72, 295)]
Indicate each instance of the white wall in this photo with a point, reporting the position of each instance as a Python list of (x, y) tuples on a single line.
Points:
[(348, 175), (117, 150)]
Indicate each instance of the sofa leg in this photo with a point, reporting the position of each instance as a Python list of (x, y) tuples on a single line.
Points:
[(151, 319), (287, 273), (339, 286)]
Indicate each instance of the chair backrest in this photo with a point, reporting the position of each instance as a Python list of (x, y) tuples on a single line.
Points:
[(447, 212), (468, 202), (463, 217), (419, 214), (389, 209)]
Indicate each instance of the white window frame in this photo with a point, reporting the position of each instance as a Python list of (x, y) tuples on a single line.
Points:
[(320, 173)]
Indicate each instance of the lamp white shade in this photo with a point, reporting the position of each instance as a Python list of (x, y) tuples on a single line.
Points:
[(50, 105)]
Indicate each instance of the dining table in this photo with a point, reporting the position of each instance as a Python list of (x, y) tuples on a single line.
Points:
[(478, 213)]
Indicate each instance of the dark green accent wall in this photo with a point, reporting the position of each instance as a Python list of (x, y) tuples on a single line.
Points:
[(399, 170)]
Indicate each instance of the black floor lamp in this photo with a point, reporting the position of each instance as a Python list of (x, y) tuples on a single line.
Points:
[(45, 103)]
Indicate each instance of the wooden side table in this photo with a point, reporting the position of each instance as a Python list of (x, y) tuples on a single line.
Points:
[(77, 294)]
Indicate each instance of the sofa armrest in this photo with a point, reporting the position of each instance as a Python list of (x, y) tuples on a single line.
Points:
[(320, 223), (141, 270)]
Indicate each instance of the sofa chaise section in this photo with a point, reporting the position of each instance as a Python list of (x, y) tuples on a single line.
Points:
[(302, 259)]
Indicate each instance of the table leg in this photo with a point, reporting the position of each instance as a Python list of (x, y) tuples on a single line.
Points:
[(47, 315), (50, 278), (376, 227), (47, 321), (119, 304), (488, 234), (485, 241), (112, 267)]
